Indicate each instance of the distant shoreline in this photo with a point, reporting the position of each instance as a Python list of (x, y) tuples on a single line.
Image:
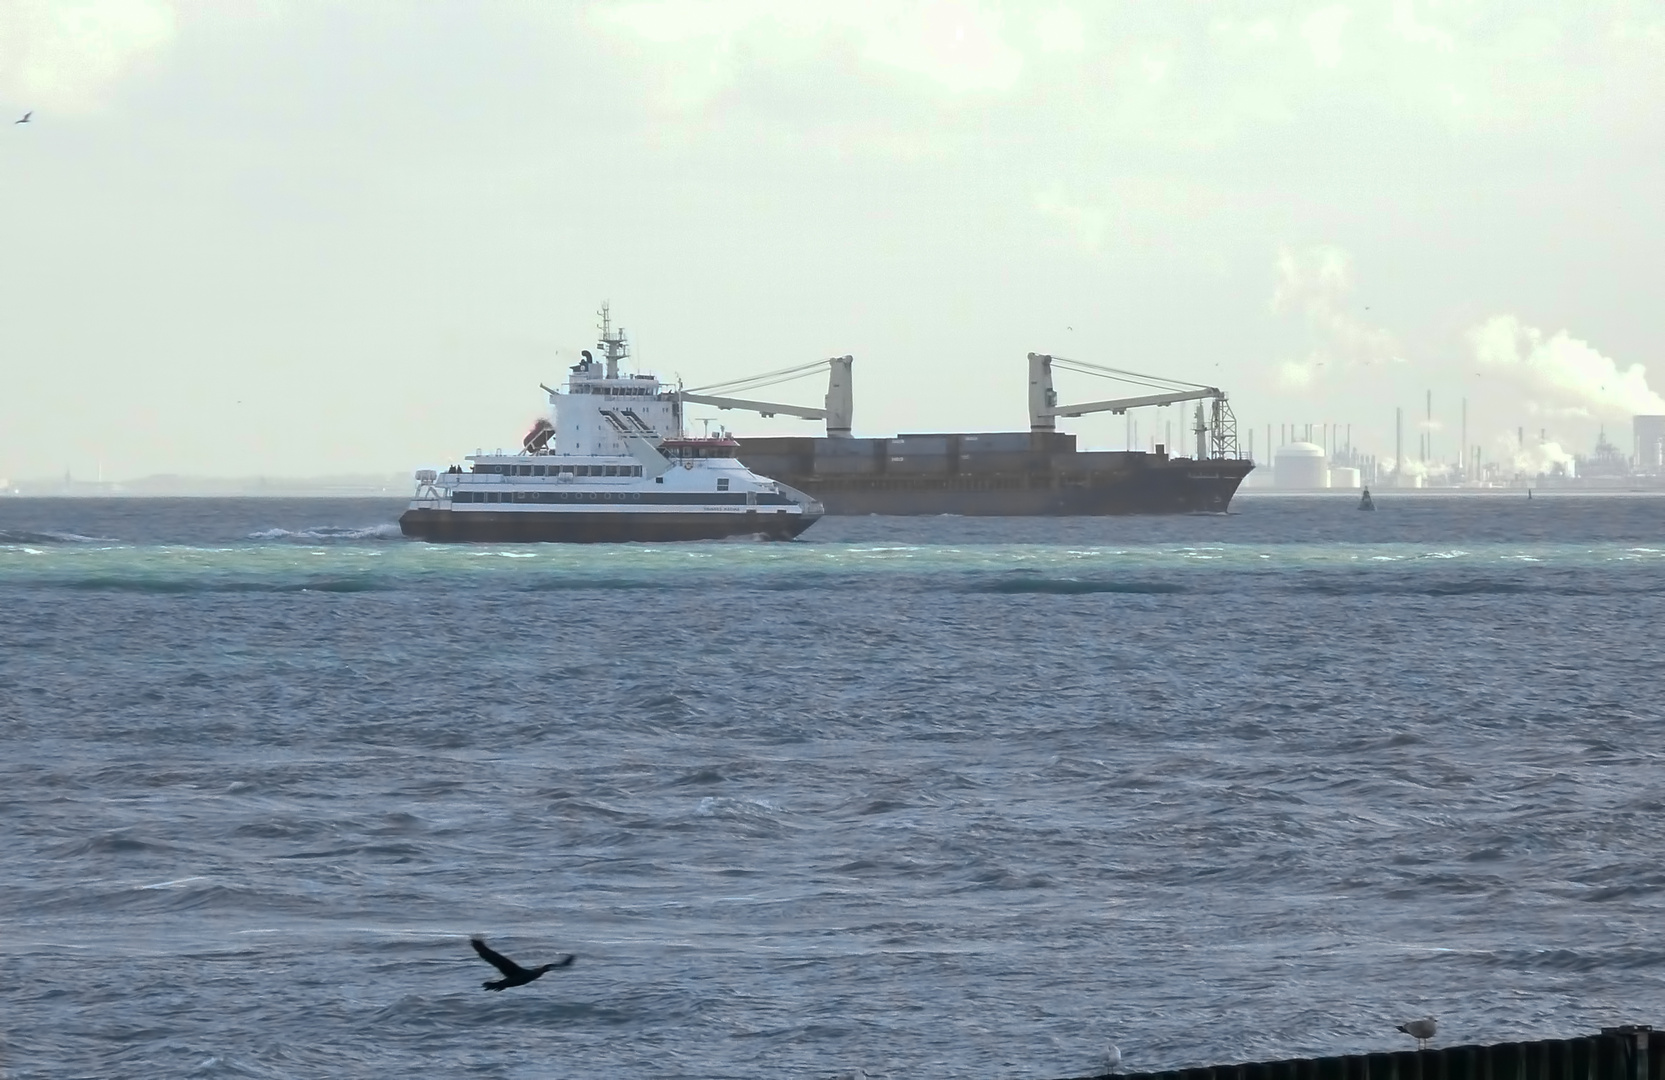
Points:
[(1452, 493), (394, 486)]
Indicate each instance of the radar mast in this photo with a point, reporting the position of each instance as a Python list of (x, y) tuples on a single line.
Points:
[(613, 346)]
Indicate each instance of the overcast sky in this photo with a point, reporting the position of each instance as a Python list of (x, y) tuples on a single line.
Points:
[(302, 238)]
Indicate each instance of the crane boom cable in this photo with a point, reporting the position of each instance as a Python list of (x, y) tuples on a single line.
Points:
[(1136, 378), (758, 382)]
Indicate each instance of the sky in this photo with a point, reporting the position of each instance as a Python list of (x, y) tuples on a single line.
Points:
[(295, 239)]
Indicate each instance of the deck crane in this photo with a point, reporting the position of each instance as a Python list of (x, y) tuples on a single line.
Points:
[(1216, 431), (838, 408)]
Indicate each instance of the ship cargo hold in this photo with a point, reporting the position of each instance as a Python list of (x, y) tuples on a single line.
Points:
[(1037, 472)]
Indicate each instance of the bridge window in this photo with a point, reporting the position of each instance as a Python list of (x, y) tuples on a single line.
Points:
[(722, 485)]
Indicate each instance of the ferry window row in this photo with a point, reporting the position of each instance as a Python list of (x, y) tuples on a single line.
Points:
[(542, 496), (552, 470)]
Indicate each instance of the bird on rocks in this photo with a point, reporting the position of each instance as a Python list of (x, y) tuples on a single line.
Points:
[(1420, 1030), (1112, 1059), (513, 973)]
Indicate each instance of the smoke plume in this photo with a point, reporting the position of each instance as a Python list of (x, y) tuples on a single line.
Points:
[(1562, 374)]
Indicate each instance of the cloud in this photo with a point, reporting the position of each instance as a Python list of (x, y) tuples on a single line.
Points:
[(1318, 284), (66, 55), (1086, 225), (1061, 31), (1322, 31), (1409, 28), (1566, 376), (706, 45)]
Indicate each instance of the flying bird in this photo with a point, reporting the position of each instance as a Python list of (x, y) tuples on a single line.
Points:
[(1420, 1030), (513, 973), (26, 116)]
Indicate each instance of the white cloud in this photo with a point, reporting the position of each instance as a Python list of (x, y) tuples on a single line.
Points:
[(1408, 27), (1061, 31), (1322, 31), (1318, 283), (1566, 376), (65, 55), (956, 45), (1087, 225)]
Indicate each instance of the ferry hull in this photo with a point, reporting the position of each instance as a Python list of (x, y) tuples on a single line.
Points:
[(487, 527)]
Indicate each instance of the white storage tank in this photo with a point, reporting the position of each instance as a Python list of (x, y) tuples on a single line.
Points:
[(1344, 476), (1300, 466)]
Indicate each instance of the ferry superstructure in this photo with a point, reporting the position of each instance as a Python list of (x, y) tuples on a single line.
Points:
[(613, 466)]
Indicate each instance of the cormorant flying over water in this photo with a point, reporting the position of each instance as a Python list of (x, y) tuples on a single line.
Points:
[(513, 973)]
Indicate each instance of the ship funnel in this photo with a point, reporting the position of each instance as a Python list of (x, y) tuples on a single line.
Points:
[(840, 401), (1042, 397)]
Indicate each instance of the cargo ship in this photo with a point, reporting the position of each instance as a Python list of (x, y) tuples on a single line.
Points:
[(1008, 473)]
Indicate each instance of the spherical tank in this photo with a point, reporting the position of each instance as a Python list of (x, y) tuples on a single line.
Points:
[(1300, 466)]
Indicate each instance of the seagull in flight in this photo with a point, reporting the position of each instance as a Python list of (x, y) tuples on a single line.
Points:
[(513, 973), (25, 119)]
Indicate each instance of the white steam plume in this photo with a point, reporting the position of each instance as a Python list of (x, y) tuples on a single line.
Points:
[(1318, 282), (1563, 374)]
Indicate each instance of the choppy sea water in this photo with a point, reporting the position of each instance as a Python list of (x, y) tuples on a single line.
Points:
[(920, 797)]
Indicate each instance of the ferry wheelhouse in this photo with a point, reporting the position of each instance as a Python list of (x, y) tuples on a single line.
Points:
[(613, 465)]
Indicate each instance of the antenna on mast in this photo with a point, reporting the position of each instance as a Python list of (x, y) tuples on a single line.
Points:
[(613, 346)]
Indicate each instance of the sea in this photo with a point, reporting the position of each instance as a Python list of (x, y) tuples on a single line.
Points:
[(907, 797)]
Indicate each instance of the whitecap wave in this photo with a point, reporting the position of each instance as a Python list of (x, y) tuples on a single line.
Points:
[(50, 536), (388, 530)]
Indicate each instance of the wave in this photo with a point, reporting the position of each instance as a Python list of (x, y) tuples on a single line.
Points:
[(160, 585), (1075, 587), (1473, 587), (388, 530), (48, 536)]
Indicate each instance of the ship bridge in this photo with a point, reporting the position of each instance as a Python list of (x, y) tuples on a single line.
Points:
[(603, 409)]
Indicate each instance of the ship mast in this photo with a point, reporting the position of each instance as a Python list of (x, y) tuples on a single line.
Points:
[(613, 346)]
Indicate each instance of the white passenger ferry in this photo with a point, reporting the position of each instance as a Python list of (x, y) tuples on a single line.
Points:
[(613, 466)]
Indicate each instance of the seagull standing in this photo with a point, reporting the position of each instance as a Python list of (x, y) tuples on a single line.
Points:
[(1420, 1030), (1112, 1059), (25, 119), (513, 973)]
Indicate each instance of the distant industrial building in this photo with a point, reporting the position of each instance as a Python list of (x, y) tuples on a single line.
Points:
[(1650, 443), (1300, 466)]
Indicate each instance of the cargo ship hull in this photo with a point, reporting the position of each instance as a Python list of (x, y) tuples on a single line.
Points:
[(1007, 474)]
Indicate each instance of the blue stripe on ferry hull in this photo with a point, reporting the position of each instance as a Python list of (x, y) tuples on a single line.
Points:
[(476, 526)]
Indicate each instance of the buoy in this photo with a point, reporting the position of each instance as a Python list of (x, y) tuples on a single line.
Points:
[(1365, 503)]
